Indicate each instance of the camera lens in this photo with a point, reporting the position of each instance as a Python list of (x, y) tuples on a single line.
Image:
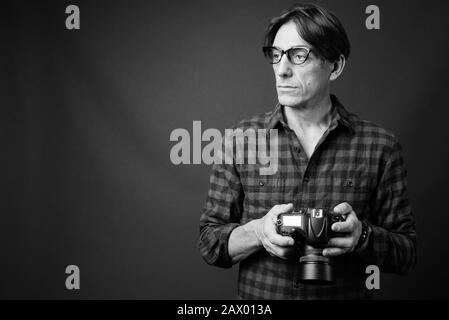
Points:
[(315, 268)]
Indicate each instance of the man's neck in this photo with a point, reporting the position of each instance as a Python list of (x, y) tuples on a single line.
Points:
[(304, 118)]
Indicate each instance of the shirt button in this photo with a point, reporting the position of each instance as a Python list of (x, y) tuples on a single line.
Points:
[(306, 179), (261, 183)]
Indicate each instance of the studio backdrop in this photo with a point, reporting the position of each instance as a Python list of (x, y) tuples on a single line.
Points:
[(88, 108)]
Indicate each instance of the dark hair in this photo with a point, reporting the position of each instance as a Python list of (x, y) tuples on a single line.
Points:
[(316, 25)]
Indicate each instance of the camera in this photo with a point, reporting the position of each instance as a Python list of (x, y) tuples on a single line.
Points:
[(311, 230)]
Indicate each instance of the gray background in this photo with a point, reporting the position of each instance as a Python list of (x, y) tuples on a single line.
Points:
[(86, 118)]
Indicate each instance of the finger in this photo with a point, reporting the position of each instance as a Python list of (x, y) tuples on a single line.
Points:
[(340, 242), (352, 216), (275, 254), (281, 241), (333, 252), (281, 208), (283, 252), (273, 250), (348, 225), (343, 208), (345, 226)]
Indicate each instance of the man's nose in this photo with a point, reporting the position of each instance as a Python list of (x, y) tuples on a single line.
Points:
[(283, 68)]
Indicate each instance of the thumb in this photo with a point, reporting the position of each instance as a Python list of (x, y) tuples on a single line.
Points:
[(282, 208), (343, 208)]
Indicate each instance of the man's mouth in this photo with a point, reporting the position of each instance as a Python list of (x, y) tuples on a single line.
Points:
[(286, 87)]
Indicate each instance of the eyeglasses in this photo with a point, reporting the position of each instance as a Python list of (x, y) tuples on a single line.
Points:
[(296, 55)]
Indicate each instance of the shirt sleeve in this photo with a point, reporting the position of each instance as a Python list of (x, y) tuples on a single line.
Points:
[(221, 214), (392, 243)]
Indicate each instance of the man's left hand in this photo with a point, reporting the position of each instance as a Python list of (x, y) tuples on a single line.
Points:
[(352, 226)]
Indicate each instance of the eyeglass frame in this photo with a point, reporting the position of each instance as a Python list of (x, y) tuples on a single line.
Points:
[(286, 52)]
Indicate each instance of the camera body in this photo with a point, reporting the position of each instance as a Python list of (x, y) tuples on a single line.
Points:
[(311, 228)]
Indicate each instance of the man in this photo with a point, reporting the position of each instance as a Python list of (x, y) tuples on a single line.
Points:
[(328, 158)]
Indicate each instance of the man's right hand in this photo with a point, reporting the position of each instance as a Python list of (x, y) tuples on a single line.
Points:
[(275, 244)]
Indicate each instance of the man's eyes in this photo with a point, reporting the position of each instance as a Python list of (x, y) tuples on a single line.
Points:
[(299, 54), (276, 55)]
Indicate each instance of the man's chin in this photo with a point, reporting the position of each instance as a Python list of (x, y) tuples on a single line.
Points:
[(288, 101)]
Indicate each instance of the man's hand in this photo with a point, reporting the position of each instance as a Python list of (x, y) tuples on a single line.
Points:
[(352, 226), (274, 243)]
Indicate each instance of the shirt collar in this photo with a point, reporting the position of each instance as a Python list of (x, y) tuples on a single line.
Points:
[(339, 116)]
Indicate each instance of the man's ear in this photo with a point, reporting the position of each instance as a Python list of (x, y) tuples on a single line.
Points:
[(338, 67)]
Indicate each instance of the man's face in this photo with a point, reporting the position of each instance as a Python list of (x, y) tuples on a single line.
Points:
[(299, 85)]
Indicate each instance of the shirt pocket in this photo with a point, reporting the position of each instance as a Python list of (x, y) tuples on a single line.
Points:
[(354, 189), (262, 192)]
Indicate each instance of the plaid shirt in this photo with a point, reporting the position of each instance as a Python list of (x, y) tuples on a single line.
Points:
[(356, 162)]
